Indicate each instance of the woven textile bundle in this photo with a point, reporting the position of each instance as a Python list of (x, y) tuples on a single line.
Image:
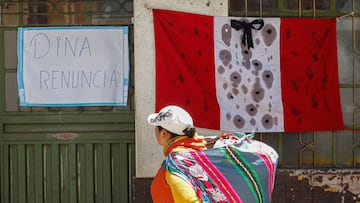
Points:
[(237, 169)]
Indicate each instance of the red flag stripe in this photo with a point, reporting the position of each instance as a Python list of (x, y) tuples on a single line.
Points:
[(185, 66), (309, 75)]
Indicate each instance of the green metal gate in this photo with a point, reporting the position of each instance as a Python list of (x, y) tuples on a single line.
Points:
[(62, 154), (47, 159)]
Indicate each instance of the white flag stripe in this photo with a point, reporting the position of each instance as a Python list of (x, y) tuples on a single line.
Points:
[(248, 81)]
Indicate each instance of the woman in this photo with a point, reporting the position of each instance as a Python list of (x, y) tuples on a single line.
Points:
[(174, 131)]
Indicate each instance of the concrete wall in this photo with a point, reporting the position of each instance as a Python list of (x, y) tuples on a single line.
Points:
[(148, 153)]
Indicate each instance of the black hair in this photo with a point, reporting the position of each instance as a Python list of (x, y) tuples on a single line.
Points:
[(189, 131)]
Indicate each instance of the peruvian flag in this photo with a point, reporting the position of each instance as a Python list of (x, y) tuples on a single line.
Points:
[(249, 74)]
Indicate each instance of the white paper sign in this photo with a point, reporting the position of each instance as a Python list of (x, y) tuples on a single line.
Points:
[(73, 66)]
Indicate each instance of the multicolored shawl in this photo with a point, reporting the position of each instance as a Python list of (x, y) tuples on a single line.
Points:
[(238, 170)]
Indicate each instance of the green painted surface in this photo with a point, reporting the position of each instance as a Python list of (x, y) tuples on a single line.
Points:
[(78, 170), (62, 154)]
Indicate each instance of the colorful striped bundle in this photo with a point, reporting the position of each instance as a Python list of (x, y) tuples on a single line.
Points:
[(241, 172)]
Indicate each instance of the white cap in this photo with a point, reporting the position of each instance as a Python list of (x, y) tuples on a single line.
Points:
[(172, 118)]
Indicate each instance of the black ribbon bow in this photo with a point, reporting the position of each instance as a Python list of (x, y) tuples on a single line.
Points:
[(247, 36)]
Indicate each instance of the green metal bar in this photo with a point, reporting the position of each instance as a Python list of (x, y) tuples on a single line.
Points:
[(21, 173), (14, 179), (65, 177), (30, 176), (314, 8), (47, 173), (99, 185), (106, 173), (5, 174), (117, 152), (4, 171), (333, 6), (81, 173), (89, 15), (80, 137), (120, 156), (21, 8), (260, 8), (89, 174), (38, 171), (131, 167), (354, 85), (55, 173), (21, 128), (2, 75), (355, 64), (72, 173), (88, 117)]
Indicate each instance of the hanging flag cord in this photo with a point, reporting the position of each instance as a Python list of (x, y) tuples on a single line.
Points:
[(346, 15)]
